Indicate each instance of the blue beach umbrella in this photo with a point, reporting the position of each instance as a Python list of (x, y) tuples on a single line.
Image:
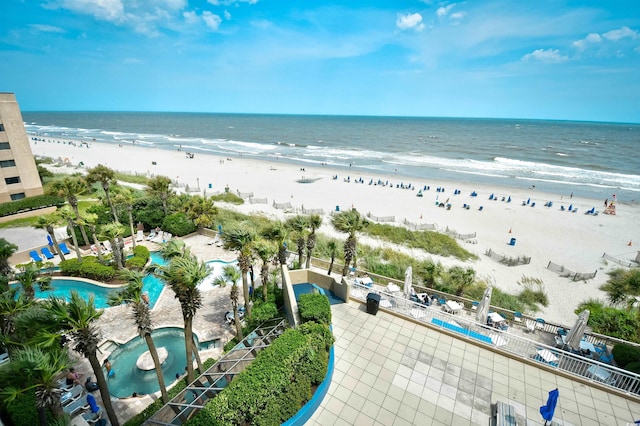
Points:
[(49, 240), (548, 409)]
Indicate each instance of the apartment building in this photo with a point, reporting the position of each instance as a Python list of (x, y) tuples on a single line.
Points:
[(18, 172)]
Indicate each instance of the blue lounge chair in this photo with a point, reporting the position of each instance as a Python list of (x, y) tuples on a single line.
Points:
[(35, 256), (47, 253), (64, 249)]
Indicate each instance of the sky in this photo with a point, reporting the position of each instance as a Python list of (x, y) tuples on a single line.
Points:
[(547, 59)]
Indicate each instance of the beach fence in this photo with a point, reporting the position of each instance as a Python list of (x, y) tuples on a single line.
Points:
[(381, 218), (312, 211), (282, 206), (419, 226), (254, 200), (457, 236), (627, 263), (244, 195), (575, 276), (507, 260)]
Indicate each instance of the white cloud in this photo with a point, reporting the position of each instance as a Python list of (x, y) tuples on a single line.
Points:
[(191, 17), (211, 20), (444, 10), (410, 21), (47, 28), (542, 55), (230, 2), (588, 40), (106, 10), (457, 15), (227, 15), (621, 33)]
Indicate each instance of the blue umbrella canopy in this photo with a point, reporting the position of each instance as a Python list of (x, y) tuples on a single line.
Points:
[(49, 240), (548, 409)]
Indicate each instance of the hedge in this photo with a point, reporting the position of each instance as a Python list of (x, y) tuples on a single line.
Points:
[(23, 412), (280, 380), (625, 354), (30, 203), (90, 268), (178, 224), (139, 259), (314, 307)]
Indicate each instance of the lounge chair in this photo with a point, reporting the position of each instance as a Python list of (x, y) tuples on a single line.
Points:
[(91, 417), (107, 245), (35, 256), (64, 249), (151, 235), (72, 395), (47, 253), (140, 236), (75, 407), (4, 357)]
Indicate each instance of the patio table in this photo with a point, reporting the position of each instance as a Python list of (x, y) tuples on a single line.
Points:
[(452, 306), (599, 373)]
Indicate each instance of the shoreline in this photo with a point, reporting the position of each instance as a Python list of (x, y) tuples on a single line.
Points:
[(574, 240)]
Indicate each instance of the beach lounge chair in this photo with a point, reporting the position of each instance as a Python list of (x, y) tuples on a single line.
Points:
[(151, 235), (91, 417), (75, 407), (140, 236), (107, 245), (64, 249), (47, 253), (4, 357), (72, 395), (35, 256)]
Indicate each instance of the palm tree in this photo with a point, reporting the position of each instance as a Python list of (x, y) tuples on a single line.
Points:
[(47, 222), (241, 239), (132, 295), (277, 233), (113, 232), (432, 272), (10, 307), (123, 196), (461, 278), (201, 211), (78, 318), (91, 220), (159, 186), (350, 222), (183, 273), (298, 224), (332, 246), (314, 223), (29, 278), (70, 187), (106, 177), (265, 250), (32, 368), (68, 215), (7, 250), (230, 274)]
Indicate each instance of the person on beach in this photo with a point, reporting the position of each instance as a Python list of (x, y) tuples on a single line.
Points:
[(145, 297), (107, 366), (73, 378)]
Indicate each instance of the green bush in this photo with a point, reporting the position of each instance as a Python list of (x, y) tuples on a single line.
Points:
[(314, 307), (634, 367), (178, 224), (228, 197), (261, 312), (139, 259), (22, 411), (30, 203), (90, 268), (625, 355)]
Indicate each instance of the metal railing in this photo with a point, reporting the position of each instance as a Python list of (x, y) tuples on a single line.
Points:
[(503, 341)]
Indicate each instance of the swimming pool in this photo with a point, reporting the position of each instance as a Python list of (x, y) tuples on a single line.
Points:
[(305, 288), (216, 267), (128, 378)]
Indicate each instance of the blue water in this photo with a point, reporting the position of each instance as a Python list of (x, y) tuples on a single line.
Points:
[(128, 378), (593, 159), (215, 267), (307, 288)]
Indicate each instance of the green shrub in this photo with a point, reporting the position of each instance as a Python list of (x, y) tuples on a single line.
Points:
[(90, 268), (139, 259), (178, 224), (625, 354), (30, 203), (634, 367), (228, 197), (22, 411), (261, 312), (314, 307)]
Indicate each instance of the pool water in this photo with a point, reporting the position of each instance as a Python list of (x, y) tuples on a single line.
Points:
[(306, 288), (216, 267), (128, 378)]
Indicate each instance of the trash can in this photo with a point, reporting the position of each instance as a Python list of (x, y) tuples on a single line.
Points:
[(373, 303), (512, 242)]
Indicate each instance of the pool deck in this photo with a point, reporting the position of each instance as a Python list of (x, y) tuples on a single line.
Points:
[(391, 371)]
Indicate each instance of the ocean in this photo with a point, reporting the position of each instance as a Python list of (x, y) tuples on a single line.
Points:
[(588, 159)]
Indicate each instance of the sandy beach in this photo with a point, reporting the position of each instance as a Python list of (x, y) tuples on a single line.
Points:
[(575, 240)]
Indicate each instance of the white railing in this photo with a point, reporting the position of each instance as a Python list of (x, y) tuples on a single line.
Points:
[(568, 362)]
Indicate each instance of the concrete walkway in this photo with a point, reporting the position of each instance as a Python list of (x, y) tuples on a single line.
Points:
[(390, 371)]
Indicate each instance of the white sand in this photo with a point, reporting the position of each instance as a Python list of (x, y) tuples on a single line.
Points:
[(574, 240)]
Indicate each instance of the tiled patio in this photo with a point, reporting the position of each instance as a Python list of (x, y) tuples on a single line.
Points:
[(390, 371)]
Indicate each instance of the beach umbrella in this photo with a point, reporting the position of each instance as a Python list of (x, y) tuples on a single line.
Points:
[(408, 277), (577, 331), (548, 409), (49, 240), (483, 308)]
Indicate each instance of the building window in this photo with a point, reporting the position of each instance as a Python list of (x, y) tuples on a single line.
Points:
[(7, 163), (18, 196), (1, 127), (5, 145), (10, 180)]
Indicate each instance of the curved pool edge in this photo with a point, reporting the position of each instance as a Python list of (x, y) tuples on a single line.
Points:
[(309, 409)]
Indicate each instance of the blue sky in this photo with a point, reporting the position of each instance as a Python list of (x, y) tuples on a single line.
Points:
[(522, 59)]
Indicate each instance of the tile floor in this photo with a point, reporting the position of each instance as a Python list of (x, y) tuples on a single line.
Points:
[(390, 371)]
